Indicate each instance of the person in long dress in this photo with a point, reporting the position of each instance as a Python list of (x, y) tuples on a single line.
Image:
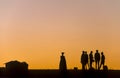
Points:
[(62, 65)]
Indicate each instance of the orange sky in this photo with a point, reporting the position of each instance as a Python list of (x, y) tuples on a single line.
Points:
[(37, 31)]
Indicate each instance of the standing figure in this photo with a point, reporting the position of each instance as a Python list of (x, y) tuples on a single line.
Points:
[(91, 60), (102, 59), (97, 59), (62, 65), (83, 60), (86, 60)]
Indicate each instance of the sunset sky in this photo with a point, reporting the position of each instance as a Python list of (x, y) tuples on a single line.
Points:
[(37, 31)]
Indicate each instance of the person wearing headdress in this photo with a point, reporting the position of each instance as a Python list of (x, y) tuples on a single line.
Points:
[(62, 65)]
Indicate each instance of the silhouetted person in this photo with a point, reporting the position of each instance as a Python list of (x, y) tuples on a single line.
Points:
[(102, 59), (91, 60), (62, 66), (83, 60), (86, 60), (97, 59)]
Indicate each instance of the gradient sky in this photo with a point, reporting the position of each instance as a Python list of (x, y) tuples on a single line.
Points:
[(37, 31)]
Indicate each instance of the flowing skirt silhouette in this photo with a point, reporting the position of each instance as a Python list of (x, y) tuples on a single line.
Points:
[(62, 65)]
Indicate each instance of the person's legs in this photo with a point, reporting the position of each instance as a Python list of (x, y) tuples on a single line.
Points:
[(85, 66), (82, 67), (90, 64), (96, 64), (100, 65), (103, 64)]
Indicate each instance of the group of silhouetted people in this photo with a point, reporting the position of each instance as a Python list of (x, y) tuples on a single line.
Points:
[(87, 60)]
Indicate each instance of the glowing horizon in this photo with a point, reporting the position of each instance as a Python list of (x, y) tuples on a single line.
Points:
[(38, 31)]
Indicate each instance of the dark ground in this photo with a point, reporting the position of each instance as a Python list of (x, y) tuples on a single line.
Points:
[(74, 74), (71, 74)]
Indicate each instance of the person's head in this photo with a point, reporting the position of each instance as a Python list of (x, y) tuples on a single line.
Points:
[(91, 52), (101, 53), (83, 52), (96, 51), (62, 53)]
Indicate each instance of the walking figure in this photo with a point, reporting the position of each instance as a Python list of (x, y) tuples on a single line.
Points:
[(83, 60), (91, 60), (102, 59), (62, 65), (97, 59)]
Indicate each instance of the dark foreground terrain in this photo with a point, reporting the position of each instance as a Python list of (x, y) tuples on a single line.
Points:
[(74, 74), (69, 74)]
